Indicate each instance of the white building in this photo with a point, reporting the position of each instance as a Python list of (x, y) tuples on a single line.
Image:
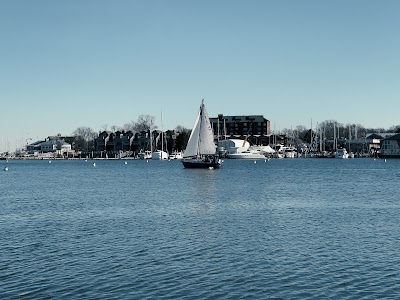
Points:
[(57, 147)]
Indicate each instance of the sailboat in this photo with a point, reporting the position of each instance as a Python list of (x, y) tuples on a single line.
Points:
[(147, 154), (200, 150), (160, 154)]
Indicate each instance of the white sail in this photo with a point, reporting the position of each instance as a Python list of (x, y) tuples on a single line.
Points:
[(206, 142), (201, 140), (193, 143)]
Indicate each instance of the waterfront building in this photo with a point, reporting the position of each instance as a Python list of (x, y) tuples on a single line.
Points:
[(54, 146), (142, 141), (369, 144), (34, 147), (390, 147), (120, 141), (51, 145), (254, 128), (100, 143), (114, 141)]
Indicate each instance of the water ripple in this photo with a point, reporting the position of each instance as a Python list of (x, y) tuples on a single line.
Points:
[(298, 229)]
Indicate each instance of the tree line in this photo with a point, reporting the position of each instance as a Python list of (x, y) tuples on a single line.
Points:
[(85, 136), (330, 129)]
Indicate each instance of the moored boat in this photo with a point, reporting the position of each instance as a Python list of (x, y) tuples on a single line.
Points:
[(176, 155), (247, 154), (342, 153), (159, 155), (144, 155), (201, 152)]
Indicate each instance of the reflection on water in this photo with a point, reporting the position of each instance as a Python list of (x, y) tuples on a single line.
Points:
[(200, 190)]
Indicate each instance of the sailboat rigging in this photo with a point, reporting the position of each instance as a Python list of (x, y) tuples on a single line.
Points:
[(160, 154), (200, 150)]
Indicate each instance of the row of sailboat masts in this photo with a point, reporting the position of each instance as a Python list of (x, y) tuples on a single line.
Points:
[(155, 138), (219, 130), (336, 137), (162, 136)]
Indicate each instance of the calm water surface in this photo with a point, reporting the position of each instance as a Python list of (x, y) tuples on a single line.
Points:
[(281, 229)]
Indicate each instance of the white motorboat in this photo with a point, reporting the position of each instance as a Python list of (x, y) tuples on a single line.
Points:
[(176, 155), (159, 155), (289, 152), (342, 153), (144, 154), (247, 154)]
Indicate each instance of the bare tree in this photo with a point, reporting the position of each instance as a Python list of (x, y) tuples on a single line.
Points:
[(144, 123), (182, 129), (84, 136), (129, 126), (329, 128), (395, 129), (114, 128)]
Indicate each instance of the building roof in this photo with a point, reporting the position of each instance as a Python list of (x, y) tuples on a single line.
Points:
[(395, 137), (49, 143), (375, 136), (244, 118), (36, 143), (380, 135), (53, 142)]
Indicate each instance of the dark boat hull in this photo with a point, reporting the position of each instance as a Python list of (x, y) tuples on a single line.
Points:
[(201, 164)]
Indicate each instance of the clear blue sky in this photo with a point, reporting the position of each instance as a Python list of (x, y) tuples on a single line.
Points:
[(66, 64)]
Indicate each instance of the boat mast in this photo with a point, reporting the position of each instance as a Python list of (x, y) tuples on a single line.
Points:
[(334, 137), (320, 139), (218, 132), (349, 137), (311, 138), (151, 138), (201, 125), (224, 129)]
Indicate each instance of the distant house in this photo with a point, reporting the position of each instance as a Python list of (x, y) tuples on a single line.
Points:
[(34, 147), (114, 141), (100, 142), (390, 147), (141, 141), (50, 146), (56, 146), (120, 141), (370, 143)]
